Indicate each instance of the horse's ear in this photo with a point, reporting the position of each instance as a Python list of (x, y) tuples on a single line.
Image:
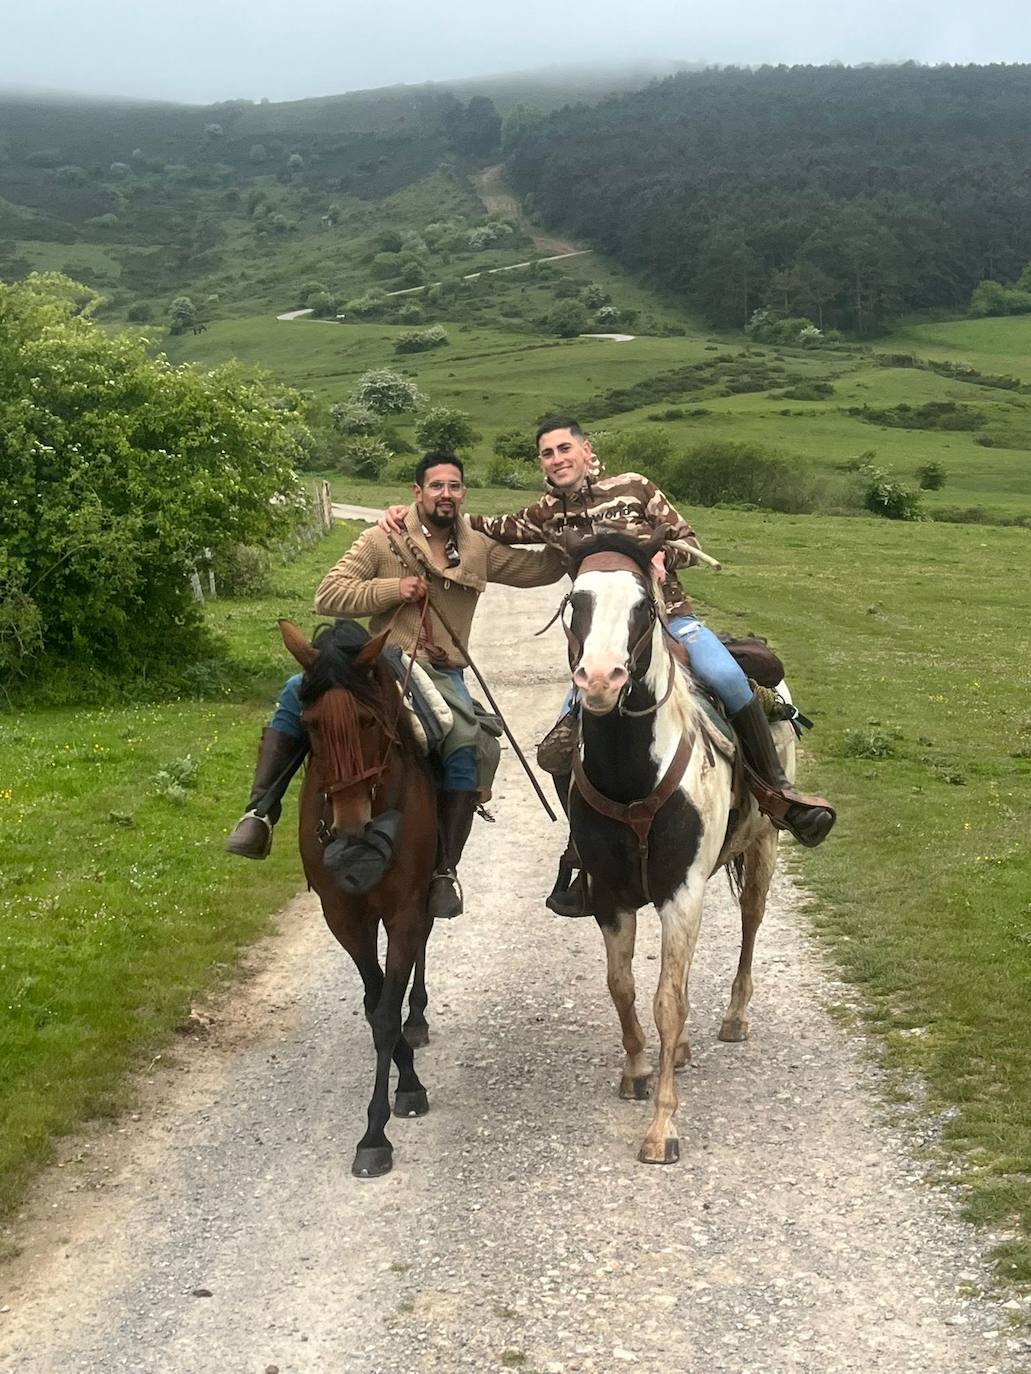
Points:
[(368, 653), (305, 653)]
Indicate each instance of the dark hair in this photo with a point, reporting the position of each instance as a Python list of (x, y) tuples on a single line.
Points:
[(551, 422), (435, 459)]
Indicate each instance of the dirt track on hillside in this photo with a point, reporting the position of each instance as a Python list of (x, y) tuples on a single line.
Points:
[(221, 1229), (499, 200)]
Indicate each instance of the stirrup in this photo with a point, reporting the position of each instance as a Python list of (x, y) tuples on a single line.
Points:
[(243, 853)]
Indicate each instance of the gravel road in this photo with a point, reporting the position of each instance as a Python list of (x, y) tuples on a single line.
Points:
[(220, 1227)]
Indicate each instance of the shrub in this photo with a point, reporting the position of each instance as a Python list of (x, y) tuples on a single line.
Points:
[(242, 570), (350, 418), (721, 472), (421, 340), (182, 315), (608, 317), (309, 289), (516, 446), (444, 428), (869, 744), (808, 391), (366, 456), (644, 450), (931, 477), (883, 495), (387, 392), (366, 305), (322, 305), (594, 296), (566, 319), (116, 472), (505, 472), (140, 312)]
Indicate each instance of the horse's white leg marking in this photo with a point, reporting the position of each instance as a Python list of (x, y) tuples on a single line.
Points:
[(760, 860), (619, 949), (681, 918)]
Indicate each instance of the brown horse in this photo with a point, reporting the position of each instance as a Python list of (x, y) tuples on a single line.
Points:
[(367, 778)]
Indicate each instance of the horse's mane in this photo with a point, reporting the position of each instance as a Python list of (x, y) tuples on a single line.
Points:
[(611, 542), (338, 646)]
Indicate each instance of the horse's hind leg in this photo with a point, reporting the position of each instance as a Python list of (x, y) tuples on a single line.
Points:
[(620, 934), (416, 1028), (760, 860), (375, 1154)]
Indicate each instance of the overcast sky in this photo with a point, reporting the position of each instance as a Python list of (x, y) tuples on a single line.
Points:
[(206, 50)]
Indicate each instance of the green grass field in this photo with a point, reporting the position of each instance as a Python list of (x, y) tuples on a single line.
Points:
[(117, 904)]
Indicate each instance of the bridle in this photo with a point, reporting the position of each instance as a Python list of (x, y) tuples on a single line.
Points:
[(388, 737), (610, 561)]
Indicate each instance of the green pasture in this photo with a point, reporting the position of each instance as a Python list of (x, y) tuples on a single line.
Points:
[(117, 904), (906, 645), (991, 345)]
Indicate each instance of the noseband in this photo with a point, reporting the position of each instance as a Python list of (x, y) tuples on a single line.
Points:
[(610, 561)]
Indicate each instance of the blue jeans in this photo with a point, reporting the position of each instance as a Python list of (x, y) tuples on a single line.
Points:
[(458, 769), (711, 662)]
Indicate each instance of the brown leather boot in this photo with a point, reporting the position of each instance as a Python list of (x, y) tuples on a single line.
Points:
[(252, 837), (456, 811), (808, 818), (569, 896)]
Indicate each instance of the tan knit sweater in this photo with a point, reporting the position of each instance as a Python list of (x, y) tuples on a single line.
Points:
[(366, 582)]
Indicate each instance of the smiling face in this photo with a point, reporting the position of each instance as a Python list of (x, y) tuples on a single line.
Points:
[(565, 458), (441, 495)]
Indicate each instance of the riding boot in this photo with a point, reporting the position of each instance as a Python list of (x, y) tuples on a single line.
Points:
[(252, 837), (808, 818), (569, 896), (456, 820)]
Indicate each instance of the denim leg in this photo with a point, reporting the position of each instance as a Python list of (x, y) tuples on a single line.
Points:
[(712, 663), (459, 771), (287, 717)]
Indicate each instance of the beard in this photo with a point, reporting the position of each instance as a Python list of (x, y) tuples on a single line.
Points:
[(440, 521)]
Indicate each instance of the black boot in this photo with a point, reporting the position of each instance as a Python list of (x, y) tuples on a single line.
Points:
[(252, 837), (456, 811), (808, 818), (569, 896)]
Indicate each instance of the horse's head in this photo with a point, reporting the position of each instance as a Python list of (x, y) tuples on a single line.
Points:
[(345, 715), (613, 614)]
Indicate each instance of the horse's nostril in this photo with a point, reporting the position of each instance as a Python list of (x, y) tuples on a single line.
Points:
[(618, 675)]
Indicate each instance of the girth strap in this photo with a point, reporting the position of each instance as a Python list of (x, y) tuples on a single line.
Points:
[(639, 815)]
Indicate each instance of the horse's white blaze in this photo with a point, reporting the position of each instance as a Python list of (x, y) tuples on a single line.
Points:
[(607, 645)]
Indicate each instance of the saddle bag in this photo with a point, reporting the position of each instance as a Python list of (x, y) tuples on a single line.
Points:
[(756, 659)]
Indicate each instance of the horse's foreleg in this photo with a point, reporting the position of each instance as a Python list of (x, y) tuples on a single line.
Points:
[(416, 1029), (374, 1154), (620, 935), (681, 918), (760, 859)]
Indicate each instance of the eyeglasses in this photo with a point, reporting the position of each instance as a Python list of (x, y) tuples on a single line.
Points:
[(437, 488)]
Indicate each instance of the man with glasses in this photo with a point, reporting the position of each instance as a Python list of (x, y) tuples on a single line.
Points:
[(386, 577)]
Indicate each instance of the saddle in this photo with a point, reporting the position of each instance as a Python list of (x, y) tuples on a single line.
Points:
[(429, 714)]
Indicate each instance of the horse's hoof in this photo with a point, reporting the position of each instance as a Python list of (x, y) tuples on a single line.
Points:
[(373, 1161), (418, 1036), (411, 1104), (733, 1031), (668, 1153), (636, 1089), (682, 1057)]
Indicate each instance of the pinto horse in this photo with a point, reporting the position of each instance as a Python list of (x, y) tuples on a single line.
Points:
[(365, 763), (653, 810)]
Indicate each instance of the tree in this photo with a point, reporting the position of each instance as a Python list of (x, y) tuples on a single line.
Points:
[(322, 304), (350, 418), (444, 428), (295, 162), (567, 319), (182, 315), (366, 456), (117, 471), (388, 393), (516, 446)]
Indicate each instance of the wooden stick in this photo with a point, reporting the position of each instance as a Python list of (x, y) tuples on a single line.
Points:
[(682, 546)]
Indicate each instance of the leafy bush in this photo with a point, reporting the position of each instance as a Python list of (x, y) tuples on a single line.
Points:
[(486, 235), (242, 570), (931, 477), (720, 472), (567, 319), (363, 306), (884, 495), (444, 428), (506, 472), (182, 314), (516, 446), (351, 418), (421, 340), (322, 305), (594, 296), (869, 744), (945, 415), (647, 451), (366, 456), (993, 298), (140, 312), (309, 289), (808, 391), (388, 393), (116, 472)]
